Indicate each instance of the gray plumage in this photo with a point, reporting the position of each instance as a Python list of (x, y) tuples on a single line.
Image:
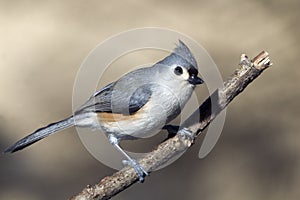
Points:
[(158, 84), (40, 134), (183, 51), (137, 105)]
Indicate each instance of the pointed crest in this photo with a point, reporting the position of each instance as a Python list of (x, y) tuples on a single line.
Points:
[(183, 51)]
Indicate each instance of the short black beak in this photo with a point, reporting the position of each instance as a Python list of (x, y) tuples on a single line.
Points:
[(195, 80)]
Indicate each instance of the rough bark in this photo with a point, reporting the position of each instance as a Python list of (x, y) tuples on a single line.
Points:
[(212, 106)]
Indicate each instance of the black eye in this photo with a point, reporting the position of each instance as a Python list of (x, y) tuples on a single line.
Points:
[(178, 70)]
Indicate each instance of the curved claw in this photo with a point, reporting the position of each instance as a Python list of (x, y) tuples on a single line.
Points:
[(138, 169), (131, 162), (185, 132)]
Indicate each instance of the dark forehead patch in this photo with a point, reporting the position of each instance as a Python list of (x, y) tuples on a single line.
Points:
[(193, 71)]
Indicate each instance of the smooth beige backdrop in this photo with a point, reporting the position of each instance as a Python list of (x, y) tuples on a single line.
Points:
[(42, 44)]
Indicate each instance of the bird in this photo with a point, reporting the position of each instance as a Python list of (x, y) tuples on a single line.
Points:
[(137, 105)]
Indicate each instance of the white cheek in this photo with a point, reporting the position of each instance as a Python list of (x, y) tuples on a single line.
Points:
[(185, 75)]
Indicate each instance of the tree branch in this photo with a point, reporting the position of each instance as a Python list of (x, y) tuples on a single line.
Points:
[(212, 106)]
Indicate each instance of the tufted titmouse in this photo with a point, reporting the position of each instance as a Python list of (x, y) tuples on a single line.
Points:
[(137, 105)]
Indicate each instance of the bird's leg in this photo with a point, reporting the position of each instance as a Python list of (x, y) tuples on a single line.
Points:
[(186, 133), (131, 162), (176, 130)]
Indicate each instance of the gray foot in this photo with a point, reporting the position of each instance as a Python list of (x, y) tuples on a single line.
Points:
[(137, 167), (186, 133)]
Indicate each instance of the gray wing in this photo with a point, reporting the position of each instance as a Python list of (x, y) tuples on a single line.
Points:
[(111, 99), (99, 102), (139, 98)]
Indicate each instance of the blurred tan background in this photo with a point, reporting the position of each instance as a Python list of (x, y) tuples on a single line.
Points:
[(42, 44)]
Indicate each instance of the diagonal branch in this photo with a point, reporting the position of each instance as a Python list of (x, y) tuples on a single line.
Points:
[(212, 106)]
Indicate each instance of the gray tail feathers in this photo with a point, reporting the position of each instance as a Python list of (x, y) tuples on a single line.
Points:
[(40, 134)]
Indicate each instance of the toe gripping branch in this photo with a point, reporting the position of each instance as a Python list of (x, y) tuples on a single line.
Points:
[(140, 171), (109, 186)]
